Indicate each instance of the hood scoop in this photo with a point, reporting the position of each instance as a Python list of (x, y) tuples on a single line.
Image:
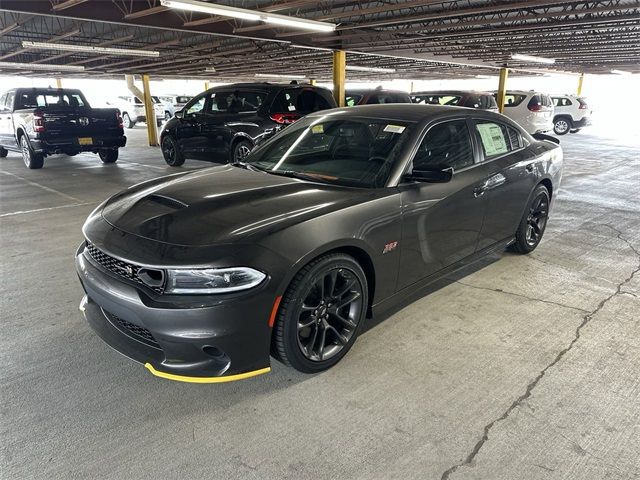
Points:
[(166, 201)]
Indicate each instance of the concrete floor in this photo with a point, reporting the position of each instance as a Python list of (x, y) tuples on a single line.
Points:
[(526, 368)]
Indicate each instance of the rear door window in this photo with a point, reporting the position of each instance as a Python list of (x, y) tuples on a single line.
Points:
[(494, 138), (513, 99), (236, 101), (299, 100)]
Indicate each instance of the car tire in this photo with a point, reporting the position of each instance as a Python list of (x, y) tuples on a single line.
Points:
[(108, 155), (534, 221), (312, 331), (127, 122), (3, 152), (171, 152), (561, 125), (31, 159), (240, 150)]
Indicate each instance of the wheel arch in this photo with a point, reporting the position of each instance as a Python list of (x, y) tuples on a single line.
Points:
[(548, 184), (565, 116)]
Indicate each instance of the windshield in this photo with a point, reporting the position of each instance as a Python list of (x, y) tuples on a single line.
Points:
[(351, 151)]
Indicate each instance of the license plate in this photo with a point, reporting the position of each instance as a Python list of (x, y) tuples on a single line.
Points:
[(85, 141)]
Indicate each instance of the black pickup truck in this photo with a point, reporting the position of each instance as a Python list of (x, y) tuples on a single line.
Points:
[(44, 121)]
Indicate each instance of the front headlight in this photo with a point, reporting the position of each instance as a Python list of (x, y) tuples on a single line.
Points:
[(212, 280)]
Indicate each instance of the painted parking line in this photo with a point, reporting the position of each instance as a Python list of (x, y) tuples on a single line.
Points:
[(43, 187), (21, 212)]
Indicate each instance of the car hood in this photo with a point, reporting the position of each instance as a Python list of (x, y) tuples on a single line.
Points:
[(222, 204)]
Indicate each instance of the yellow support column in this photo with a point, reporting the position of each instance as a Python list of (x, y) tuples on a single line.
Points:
[(502, 88), (149, 112), (312, 81), (580, 80), (206, 85), (59, 82), (339, 76)]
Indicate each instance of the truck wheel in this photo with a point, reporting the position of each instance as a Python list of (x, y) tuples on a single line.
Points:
[(108, 155), (171, 152), (31, 159), (126, 120), (3, 152)]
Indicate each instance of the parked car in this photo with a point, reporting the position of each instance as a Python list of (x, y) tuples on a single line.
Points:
[(532, 110), (201, 275), (458, 98), (132, 110), (44, 121), (375, 97), (225, 123), (571, 114), (173, 104)]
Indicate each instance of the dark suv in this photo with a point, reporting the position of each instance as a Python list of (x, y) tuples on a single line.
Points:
[(458, 98), (375, 97), (224, 123)]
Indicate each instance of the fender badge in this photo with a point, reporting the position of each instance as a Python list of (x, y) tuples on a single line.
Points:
[(389, 247)]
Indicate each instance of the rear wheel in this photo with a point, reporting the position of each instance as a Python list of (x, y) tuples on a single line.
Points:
[(240, 150), (561, 126), (534, 221), (3, 152), (108, 155), (127, 122), (321, 313), (171, 153), (31, 159)]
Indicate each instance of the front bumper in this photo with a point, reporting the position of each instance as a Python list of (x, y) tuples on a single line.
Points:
[(200, 342)]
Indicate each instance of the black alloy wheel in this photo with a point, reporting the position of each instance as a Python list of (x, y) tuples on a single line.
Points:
[(240, 150), (171, 153), (321, 313), (533, 222)]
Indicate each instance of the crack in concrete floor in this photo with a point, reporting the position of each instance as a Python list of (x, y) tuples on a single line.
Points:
[(532, 384)]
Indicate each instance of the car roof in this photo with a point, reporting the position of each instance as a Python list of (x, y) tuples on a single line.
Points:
[(408, 112), (454, 92), (363, 91), (264, 86), (46, 89)]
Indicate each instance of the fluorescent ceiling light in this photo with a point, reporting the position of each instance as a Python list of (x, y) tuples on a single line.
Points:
[(486, 76), (277, 75), (42, 66), (531, 58), (245, 14), (65, 47), (357, 68), (312, 48), (620, 72), (210, 70)]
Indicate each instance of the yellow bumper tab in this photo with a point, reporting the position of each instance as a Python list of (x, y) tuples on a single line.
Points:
[(223, 379)]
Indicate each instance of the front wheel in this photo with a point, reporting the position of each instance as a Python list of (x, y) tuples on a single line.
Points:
[(561, 126), (171, 152), (321, 313), (534, 222), (31, 159), (108, 155), (127, 122)]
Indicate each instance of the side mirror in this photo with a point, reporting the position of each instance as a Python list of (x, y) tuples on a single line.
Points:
[(431, 176), (179, 114)]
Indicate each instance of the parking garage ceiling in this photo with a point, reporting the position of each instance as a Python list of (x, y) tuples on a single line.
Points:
[(410, 39)]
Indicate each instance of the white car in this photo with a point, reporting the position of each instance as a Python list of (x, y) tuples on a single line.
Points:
[(571, 114), (173, 104), (132, 110), (532, 110)]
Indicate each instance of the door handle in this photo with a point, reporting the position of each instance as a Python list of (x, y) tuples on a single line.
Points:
[(479, 191)]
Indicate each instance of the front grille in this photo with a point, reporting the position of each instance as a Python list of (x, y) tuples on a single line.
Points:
[(136, 331), (119, 267)]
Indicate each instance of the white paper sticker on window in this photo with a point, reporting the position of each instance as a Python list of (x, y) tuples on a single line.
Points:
[(394, 128), (292, 108), (492, 138)]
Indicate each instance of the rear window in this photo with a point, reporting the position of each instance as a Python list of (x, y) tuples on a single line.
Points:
[(382, 98), (443, 99), (299, 100), (484, 102), (353, 99), (539, 100), (561, 101), (35, 100), (513, 99), (183, 99)]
